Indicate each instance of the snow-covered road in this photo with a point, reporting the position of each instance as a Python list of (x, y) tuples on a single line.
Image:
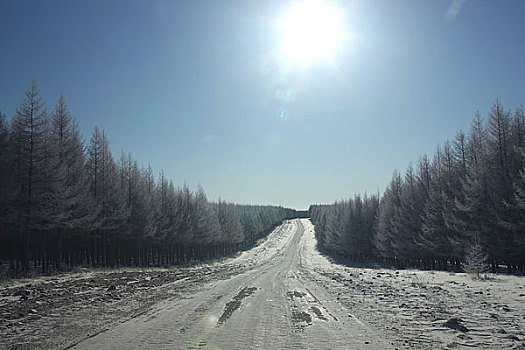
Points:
[(278, 301), (282, 294)]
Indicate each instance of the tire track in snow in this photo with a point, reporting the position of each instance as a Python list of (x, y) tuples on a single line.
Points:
[(274, 302)]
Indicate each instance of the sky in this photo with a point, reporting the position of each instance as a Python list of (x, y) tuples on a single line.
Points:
[(206, 91)]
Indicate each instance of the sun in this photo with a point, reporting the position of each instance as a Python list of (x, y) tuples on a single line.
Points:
[(311, 30)]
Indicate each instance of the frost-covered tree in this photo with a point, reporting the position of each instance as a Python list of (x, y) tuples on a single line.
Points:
[(516, 212), (72, 202), (389, 208), (498, 128), (476, 260), (454, 218), (134, 193), (360, 226), (165, 199), (184, 216), (29, 156), (474, 186), (337, 218), (472, 209), (500, 164), (432, 240), (251, 222), (460, 153), (230, 223), (355, 239), (62, 204), (148, 187), (347, 227), (406, 225), (205, 223), (109, 211)]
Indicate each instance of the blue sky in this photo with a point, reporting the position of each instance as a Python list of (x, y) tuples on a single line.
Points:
[(203, 89)]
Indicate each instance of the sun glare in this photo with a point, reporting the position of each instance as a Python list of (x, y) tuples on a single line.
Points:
[(311, 30)]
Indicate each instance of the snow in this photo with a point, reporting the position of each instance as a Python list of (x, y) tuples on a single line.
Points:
[(281, 294), (412, 306)]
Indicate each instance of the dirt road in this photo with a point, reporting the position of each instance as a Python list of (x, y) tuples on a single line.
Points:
[(277, 302), (282, 294)]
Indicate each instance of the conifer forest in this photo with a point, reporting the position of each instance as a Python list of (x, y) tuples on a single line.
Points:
[(66, 202), (470, 192), (278, 174)]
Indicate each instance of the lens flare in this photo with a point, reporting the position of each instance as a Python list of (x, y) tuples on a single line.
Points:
[(286, 95)]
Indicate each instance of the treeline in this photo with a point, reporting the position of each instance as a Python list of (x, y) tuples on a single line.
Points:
[(472, 190), (66, 203)]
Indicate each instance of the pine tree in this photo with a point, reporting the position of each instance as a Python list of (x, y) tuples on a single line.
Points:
[(407, 224), (498, 128), (72, 203), (472, 213), (163, 220), (29, 158), (371, 207), (134, 193), (184, 216), (475, 259), (251, 223), (389, 208), (204, 224), (517, 218), (455, 219), (104, 183), (517, 143), (230, 223), (355, 237), (500, 178), (337, 218), (109, 212), (148, 187)]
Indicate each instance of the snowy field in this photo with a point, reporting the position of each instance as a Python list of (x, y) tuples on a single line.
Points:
[(413, 307), (281, 294)]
